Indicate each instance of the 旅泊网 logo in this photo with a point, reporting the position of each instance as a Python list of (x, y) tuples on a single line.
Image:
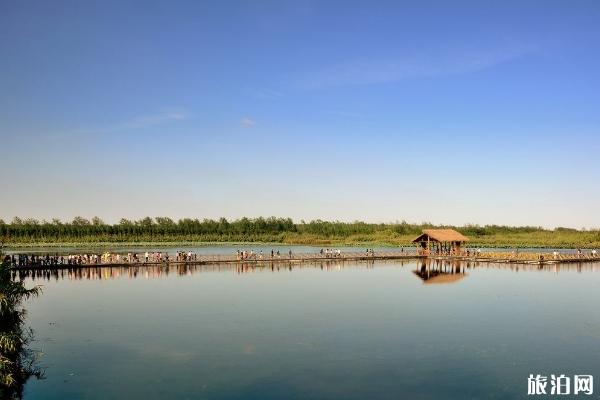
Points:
[(560, 385)]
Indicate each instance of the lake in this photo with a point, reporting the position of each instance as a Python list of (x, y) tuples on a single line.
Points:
[(353, 330)]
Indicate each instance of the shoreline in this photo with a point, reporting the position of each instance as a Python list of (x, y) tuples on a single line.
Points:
[(474, 244)]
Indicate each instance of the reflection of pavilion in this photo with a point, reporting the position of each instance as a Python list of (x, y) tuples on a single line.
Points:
[(441, 271)]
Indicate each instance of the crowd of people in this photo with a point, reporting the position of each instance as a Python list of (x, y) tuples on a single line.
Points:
[(155, 257), (184, 256), (160, 257), (48, 260), (330, 253), (276, 254), (251, 255), (24, 260)]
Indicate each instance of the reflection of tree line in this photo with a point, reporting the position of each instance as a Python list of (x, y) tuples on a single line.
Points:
[(17, 360)]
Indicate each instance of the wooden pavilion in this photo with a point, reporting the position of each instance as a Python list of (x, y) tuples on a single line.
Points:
[(440, 241)]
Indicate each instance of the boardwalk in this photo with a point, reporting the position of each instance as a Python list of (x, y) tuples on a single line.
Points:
[(524, 258), (298, 258)]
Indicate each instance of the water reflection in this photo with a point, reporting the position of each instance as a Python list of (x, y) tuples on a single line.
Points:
[(429, 270), (132, 272), (321, 330), (451, 271), (441, 271)]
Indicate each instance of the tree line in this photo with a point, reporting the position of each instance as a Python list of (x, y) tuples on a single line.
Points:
[(248, 229)]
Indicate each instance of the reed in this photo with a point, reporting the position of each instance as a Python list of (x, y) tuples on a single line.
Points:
[(17, 360)]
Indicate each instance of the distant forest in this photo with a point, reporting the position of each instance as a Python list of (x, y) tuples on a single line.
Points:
[(28, 231)]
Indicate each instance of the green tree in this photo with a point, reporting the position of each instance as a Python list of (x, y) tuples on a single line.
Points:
[(80, 221), (96, 221), (146, 222), (164, 221)]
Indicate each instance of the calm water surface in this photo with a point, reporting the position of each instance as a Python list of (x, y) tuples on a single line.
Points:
[(318, 331)]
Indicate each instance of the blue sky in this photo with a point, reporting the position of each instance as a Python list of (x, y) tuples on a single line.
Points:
[(448, 112)]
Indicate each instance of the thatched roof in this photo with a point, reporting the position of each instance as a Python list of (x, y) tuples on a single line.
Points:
[(441, 235)]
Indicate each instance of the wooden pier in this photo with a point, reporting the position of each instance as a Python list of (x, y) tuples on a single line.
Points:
[(540, 259), (528, 258)]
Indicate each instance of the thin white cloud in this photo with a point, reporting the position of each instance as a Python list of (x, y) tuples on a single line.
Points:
[(361, 72), (140, 122), (247, 122)]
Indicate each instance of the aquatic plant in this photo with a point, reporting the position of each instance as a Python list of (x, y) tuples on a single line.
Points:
[(17, 360)]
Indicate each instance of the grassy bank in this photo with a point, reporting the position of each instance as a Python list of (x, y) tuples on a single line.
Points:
[(543, 239)]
